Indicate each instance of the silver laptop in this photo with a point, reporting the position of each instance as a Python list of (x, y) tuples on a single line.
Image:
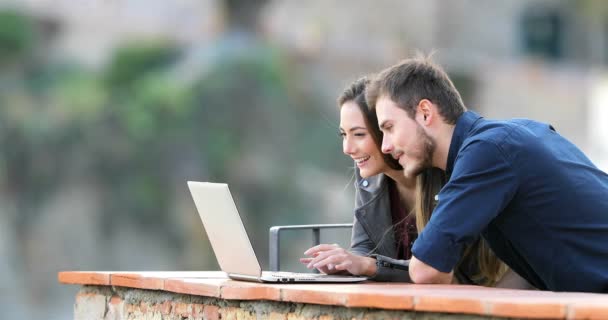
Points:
[(231, 244)]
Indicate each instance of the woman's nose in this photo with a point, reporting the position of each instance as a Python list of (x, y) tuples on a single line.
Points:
[(347, 147)]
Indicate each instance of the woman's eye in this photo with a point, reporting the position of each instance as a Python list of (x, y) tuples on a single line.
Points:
[(342, 135), (360, 134)]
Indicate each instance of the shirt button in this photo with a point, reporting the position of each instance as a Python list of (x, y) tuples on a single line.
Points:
[(436, 197), (365, 183)]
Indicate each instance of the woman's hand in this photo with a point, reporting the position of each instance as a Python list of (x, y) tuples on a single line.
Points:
[(331, 258)]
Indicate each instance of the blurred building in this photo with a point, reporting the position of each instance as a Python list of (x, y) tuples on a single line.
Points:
[(539, 59), (90, 29)]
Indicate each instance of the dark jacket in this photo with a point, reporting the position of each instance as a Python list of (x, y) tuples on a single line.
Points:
[(372, 233)]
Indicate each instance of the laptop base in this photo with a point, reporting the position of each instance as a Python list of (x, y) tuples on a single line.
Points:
[(294, 277)]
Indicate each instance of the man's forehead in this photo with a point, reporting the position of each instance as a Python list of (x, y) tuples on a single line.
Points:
[(387, 109)]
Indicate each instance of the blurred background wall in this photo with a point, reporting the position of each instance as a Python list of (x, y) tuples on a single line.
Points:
[(107, 108)]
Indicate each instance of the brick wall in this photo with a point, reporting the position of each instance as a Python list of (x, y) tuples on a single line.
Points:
[(118, 303)]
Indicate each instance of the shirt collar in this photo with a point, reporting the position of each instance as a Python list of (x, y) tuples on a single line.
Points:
[(463, 126)]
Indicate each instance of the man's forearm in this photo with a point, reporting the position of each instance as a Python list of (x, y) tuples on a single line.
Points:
[(422, 273)]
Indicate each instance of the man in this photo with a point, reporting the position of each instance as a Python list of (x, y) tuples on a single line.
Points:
[(541, 204)]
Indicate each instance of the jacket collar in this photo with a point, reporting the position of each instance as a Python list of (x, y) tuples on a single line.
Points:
[(371, 185), (463, 126)]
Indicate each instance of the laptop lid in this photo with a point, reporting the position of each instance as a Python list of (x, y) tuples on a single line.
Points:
[(225, 229)]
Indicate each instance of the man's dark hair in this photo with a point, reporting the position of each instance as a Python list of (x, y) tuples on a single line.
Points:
[(356, 93), (412, 80)]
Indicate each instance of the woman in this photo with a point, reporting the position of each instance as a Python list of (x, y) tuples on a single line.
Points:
[(384, 228)]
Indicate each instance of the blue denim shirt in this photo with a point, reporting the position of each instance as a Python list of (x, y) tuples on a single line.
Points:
[(541, 204)]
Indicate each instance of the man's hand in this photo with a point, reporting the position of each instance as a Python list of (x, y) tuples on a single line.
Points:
[(331, 258), (421, 272)]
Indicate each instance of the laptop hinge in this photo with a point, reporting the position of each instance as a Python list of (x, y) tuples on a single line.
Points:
[(243, 277)]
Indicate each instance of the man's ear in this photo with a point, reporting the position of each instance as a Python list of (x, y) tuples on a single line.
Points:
[(425, 112)]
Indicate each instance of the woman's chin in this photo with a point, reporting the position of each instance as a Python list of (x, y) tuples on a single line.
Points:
[(367, 172)]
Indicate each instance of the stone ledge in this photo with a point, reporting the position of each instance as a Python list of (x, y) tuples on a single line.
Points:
[(471, 300)]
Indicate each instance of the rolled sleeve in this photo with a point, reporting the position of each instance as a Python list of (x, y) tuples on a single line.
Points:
[(437, 249), (481, 186)]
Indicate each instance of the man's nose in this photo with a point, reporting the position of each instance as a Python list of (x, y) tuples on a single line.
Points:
[(387, 146)]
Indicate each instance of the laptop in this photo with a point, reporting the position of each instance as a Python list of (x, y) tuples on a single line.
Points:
[(231, 244)]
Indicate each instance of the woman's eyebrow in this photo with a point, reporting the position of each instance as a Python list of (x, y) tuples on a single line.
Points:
[(357, 128)]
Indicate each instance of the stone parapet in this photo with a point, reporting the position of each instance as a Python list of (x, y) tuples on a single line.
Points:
[(211, 295)]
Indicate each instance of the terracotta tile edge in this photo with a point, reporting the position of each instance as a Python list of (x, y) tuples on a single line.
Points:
[(178, 285), (370, 300), (84, 277), (447, 304), (586, 311), (231, 292), (313, 297), (137, 281), (540, 310)]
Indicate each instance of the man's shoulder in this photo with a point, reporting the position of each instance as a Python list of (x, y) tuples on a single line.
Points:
[(505, 132), (488, 132)]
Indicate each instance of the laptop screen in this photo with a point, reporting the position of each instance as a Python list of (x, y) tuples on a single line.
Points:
[(224, 228)]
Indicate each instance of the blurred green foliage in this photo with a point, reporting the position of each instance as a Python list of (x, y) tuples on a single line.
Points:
[(139, 131), (131, 63), (16, 35)]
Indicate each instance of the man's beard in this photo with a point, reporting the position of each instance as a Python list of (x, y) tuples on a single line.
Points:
[(427, 147)]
